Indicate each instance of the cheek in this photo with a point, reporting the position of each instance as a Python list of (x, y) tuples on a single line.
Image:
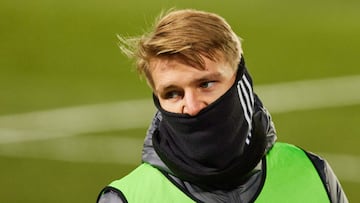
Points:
[(173, 107)]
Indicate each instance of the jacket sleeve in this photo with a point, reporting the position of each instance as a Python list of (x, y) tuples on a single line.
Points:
[(329, 179), (111, 195)]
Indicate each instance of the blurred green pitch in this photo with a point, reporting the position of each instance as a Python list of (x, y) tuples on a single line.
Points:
[(56, 54)]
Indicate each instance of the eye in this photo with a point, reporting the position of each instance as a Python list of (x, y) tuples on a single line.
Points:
[(207, 84), (172, 94)]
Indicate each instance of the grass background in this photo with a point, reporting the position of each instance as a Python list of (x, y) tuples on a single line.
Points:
[(64, 53)]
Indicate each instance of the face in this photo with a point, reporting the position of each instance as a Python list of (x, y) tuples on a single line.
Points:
[(183, 89)]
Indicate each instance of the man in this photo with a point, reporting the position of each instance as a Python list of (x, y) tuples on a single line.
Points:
[(212, 140)]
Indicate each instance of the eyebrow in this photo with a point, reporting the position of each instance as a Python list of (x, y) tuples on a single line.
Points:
[(211, 76)]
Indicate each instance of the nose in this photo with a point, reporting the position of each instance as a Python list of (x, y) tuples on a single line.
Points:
[(192, 104)]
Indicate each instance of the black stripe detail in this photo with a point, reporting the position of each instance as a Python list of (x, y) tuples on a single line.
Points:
[(319, 165), (247, 103), (112, 189)]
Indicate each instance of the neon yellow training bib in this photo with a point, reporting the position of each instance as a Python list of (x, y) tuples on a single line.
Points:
[(290, 177)]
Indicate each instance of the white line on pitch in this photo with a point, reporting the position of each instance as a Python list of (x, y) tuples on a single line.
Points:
[(310, 94), (64, 122), (125, 150), (278, 98)]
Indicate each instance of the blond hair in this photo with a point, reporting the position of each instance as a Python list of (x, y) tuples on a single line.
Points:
[(184, 35)]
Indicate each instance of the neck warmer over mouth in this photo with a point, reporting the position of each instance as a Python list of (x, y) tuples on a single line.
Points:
[(217, 148)]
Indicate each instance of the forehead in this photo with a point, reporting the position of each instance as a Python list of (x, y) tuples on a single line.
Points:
[(173, 62), (170, 72)]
